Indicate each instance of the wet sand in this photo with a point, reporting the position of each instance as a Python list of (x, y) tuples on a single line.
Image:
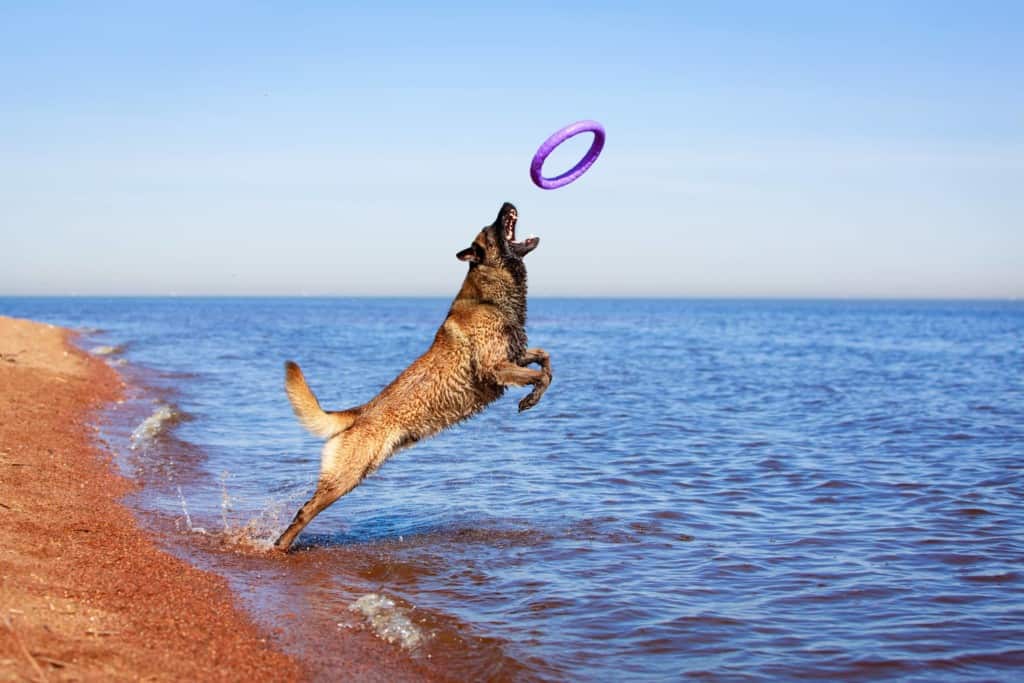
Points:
[(84, 594)]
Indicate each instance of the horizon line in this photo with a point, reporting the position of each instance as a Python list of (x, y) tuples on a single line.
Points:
[(626, 297)]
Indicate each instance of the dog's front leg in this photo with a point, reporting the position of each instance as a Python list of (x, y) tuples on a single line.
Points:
[(540, 357), (512, 374)]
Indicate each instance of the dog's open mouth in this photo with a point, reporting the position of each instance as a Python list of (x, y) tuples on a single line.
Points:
[(520, 249)]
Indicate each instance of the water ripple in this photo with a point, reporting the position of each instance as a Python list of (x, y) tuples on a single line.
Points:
[(716, 490)]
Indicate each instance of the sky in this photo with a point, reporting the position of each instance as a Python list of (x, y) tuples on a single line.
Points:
[(816, 149)]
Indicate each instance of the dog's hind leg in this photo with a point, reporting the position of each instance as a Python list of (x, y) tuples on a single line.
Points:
[(347, 459), (324, 496), (335, 481)]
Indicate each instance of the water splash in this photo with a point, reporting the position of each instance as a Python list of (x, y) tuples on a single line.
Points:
[(388, 620), (153, 426), (259, 531), (225, 501), (188, 518)]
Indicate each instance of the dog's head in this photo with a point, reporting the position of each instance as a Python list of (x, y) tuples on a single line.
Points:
[(496, 246)]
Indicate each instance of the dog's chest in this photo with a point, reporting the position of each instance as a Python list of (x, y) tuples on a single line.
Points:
[(516, 339)]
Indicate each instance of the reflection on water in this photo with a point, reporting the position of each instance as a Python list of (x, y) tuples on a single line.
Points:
[(721, 490)]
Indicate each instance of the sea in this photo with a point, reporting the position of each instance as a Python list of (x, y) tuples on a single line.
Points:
[(713, 490)]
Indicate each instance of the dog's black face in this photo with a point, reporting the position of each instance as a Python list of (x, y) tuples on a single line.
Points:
[(496, 244)]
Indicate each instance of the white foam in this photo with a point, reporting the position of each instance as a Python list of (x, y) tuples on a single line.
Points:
[(153, 425), (388, 620), (105, 350)]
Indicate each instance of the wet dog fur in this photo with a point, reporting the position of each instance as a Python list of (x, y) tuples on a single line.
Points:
[(477, 353)]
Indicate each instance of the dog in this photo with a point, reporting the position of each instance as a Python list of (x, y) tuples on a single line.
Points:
[(477, 353)]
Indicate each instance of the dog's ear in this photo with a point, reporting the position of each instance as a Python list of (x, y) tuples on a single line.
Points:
[(472, 253)]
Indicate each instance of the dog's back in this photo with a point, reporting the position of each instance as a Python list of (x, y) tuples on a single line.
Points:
[(440, 388)]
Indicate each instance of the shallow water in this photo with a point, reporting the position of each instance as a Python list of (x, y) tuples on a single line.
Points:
[(728, 490)]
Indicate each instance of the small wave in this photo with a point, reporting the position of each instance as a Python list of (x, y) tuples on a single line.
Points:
[(164, 417), (973, 512), (955, 559), (837, 484), (957, 436), (1002, 577), (107, 350), (388, 620)]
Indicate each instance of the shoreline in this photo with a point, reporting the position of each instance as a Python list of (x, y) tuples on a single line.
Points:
[(85, 593)]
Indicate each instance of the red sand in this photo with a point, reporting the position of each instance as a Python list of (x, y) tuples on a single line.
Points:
[(84, 594)]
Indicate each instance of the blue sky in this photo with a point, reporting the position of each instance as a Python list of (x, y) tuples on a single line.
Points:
[(754, 149)]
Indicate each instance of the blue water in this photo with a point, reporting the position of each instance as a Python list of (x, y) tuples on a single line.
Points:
[(725, 490)]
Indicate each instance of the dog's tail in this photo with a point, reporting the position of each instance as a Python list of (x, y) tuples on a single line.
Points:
[(307, 408)]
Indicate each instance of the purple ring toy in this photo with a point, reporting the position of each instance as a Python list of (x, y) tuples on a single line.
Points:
[(558, 138)]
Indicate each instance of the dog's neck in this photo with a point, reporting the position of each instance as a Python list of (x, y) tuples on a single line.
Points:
[(505, 289)]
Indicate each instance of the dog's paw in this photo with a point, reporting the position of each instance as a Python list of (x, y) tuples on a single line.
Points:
[(528, 401)]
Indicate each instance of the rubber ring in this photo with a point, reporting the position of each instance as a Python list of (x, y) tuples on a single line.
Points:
[(558, 138)]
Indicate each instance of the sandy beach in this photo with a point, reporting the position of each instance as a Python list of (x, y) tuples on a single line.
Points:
[(84, 594)]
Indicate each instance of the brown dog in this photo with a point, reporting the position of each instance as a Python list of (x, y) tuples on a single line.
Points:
[(478, 352)]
